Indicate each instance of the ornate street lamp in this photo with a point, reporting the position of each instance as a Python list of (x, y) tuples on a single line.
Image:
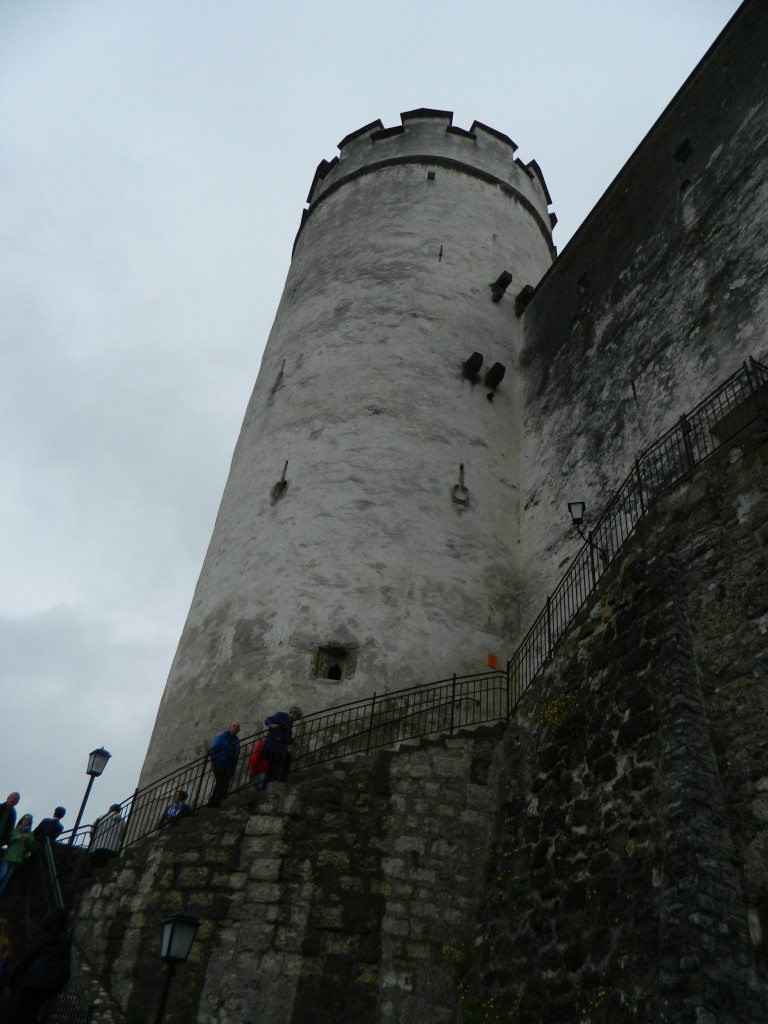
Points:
[(178, 934), (97, 762), (577, 510)]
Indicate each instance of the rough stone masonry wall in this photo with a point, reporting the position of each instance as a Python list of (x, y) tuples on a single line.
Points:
[(326, 901), (663, 288), (628, 879), (606, 863)]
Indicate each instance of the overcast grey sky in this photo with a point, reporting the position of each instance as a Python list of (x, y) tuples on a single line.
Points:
[(154, 160)]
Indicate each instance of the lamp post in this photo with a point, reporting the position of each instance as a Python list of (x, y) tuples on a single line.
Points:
[(178, 934), (97, 762), (577, 510)]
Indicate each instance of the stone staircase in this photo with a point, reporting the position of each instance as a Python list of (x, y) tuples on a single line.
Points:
[(329, 897)]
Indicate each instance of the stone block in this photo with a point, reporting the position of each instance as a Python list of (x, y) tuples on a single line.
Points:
[(408, 844), (219, 858), (262, 824), (447, 848), (337, 944), (350, 883), (334, 858), (418, 929), (328, 917), (420, 950), (397, 979), (265, 869), (262, 892), (193, 878), (395, 909), (287, 940), (395, 926), (427, 875), (393, 867)]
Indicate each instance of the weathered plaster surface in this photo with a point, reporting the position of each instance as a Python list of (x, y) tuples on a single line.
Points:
[(662, 293), (425, 134), (361, 392)]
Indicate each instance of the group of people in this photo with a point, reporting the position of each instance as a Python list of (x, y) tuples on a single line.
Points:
[(269, 761), (270, 758), (18, 840), (42, 971)]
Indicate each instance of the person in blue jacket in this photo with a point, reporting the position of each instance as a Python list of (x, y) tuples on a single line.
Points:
[(279, 738), (224, 753)]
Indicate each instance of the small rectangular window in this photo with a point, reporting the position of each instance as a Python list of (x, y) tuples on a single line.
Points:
[(332, 663)]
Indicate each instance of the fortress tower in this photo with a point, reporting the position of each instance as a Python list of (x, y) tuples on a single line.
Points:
[(367, 534)]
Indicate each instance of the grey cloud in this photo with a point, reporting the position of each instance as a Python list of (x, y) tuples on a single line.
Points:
[(71, 683)]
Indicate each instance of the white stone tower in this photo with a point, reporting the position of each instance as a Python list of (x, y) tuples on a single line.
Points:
[(367, 534)]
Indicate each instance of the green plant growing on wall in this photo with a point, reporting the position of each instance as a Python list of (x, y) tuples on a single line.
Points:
[(473, 1009), (563, 716), (592, 1003)]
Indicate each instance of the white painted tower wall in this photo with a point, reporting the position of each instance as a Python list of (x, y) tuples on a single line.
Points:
[(361, 391)]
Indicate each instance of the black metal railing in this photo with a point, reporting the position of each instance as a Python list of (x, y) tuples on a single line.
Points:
[(725, 412), (348, 729), (71, 1005), (449, 704)]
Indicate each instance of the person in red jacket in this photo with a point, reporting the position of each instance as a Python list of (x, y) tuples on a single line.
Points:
[(257, 765)]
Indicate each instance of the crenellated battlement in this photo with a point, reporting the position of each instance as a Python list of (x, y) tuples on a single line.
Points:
[(427, 135)]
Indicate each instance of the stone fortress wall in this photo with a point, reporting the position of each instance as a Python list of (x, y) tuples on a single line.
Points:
[(329, 900), (627, 876), (364, 559), (660, 294), (604, 863)]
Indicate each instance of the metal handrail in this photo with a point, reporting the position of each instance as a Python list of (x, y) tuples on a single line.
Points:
[(727, 410), (71, 1005), (446, 705), (341, 731)]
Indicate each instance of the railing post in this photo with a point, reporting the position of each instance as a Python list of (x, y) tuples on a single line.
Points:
[(754, 386), (509, 688), (125, 834), (370, 724), (549, 626), (685, 428), (53, 876), (639, 477), (453, 698), (199, 786), (591, 547)]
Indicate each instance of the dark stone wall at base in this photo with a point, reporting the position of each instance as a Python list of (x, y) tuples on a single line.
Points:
[(326, 901), (625, 881)]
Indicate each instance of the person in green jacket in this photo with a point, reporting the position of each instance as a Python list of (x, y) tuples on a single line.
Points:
[(17, 850)]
